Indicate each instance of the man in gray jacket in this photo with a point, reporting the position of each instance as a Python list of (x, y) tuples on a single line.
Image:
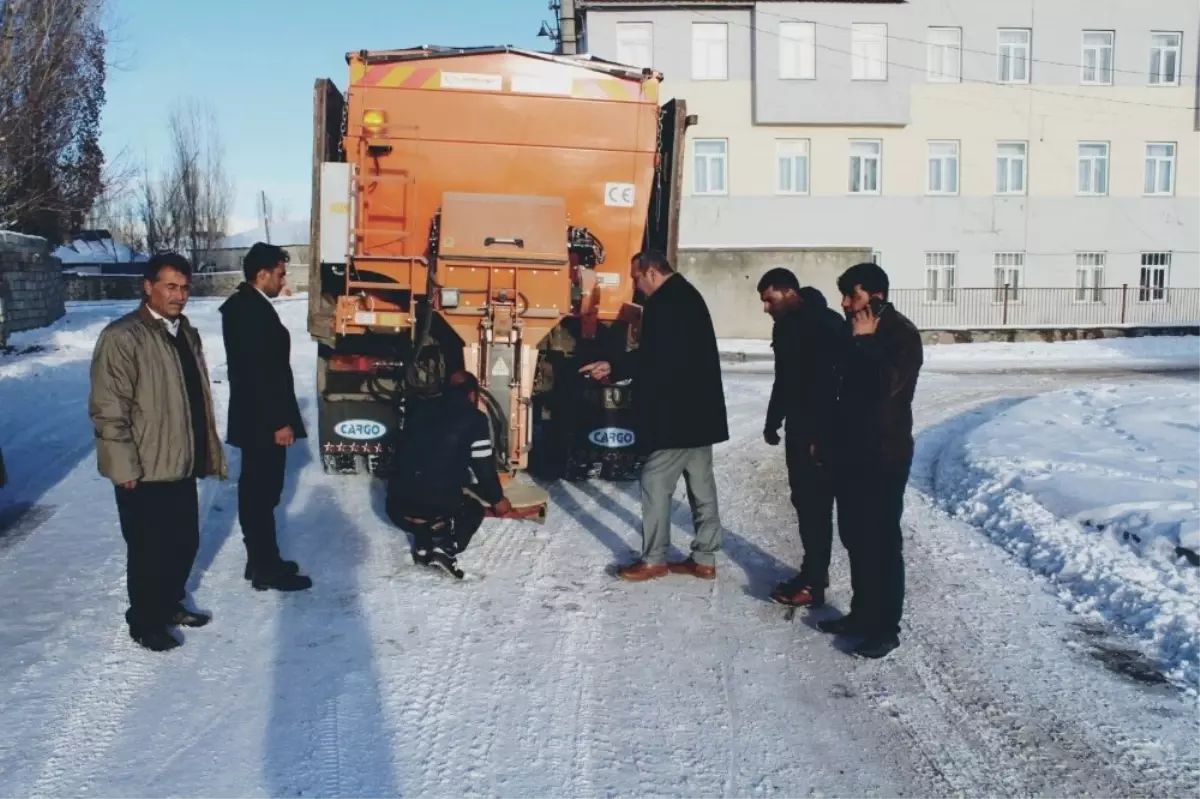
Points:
[(156, 434)]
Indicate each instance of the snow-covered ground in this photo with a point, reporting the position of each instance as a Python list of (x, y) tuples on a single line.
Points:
[(546, 676), (1097, 487), (1143, 353)]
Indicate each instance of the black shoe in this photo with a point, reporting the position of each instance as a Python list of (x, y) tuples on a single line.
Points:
[(187, 618), (285, 566), (438, 559), (159, 640), (420, 557), (877, 646), (280, 581), (844, 625)]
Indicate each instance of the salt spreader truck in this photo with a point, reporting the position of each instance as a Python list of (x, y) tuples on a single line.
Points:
[(477, 208)]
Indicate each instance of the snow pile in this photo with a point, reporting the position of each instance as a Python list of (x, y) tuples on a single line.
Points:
[(1144, 352), (1097, 488)]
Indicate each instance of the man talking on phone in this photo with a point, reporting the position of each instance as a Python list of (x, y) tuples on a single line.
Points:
[(872, 458)]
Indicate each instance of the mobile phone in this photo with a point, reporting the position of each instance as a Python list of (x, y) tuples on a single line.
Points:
[(877, 305)]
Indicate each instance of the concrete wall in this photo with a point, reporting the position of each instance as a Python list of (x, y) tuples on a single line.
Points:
[(1049, 222), (729, 281), (31, 291), (129, 287)]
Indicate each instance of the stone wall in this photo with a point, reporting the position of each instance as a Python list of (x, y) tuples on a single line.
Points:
[(728, 279), (31, 290)]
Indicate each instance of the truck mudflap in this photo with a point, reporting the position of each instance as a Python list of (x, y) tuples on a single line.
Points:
[(355, 432)]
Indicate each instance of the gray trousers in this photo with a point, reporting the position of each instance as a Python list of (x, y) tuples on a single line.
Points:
[(660, 475)]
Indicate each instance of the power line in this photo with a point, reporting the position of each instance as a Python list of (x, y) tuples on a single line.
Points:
[(965, 79), (966, 49)]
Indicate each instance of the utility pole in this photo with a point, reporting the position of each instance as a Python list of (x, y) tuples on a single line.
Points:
[(265, 217), (568, 30)]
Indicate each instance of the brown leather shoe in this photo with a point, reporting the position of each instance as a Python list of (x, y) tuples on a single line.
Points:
[(693, 568), (637, 572)]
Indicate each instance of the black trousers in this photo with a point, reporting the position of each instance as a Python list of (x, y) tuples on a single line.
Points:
[(451, 532), (870, 499), (161, 526), (812, 497), (260, 488)]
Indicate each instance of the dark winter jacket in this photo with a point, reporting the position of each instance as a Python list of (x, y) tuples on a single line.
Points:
[(874, 418), (678, 396), (446, 446), (262, 391), (809, 343)]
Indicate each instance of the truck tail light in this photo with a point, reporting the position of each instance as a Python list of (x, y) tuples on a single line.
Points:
[(373, 119), (356, 363)]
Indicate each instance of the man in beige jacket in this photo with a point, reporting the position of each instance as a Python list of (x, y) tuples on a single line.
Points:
[(156, 434)]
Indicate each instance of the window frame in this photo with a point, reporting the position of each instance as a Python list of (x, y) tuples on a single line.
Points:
[(1079, 157), (931, 48), (943, 292), (1147, 290), (724, 42), (929, 190), (779, 156), (1024, 167), (1001, 55), (1094, 288), (1173, 161), (1112, 55), (724, 159), (856, 59), (878, 157), (1177, 49), (628, 25), (798, 47), (1014, 290)]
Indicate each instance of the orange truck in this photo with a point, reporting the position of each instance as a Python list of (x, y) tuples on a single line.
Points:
[(477, 208)]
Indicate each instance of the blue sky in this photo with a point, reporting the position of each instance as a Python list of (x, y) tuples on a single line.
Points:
[(256, 60)]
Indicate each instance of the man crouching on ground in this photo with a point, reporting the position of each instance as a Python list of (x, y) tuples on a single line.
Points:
[(446, 447)]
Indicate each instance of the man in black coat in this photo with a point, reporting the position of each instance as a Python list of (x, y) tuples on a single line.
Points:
[(679, 406), (445, 447), (808, 339), (873, 455), (264, 416)]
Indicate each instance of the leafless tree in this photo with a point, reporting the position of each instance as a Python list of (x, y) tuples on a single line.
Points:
[(199, 194), (52, 71)]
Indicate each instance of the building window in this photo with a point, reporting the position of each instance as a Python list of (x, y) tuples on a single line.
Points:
[(710, 51), (1013, 55), (1156, 274), (797, 50), (712, 166), (635, 43), (1093, 168), (1164, 58), (792, 158), (864, 165), (1089, 276), (868, 51), (943, 168), (1097, 64), (939, 276), (1160, 168), (1012, 158), (1007, 271), (943, 59)]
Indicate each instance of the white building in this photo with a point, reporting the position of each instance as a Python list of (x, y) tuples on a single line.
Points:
[(968, 143)]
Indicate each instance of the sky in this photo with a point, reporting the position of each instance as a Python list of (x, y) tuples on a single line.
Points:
[(255, 62)]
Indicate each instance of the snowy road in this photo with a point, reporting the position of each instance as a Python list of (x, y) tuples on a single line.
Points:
[(545, 676)]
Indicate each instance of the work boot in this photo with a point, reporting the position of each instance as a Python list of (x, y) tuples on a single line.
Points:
[(844, 625), (156, 640), (187, 618), (280, 580), (877, 646), (641, 571), (286, 566), (798, 592), (690, 566), (438, 558)]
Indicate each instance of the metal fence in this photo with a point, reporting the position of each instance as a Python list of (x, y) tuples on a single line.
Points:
[(1009, 306)]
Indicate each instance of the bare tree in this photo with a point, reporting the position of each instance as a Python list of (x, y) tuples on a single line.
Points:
[(52, 71), (200, 195)]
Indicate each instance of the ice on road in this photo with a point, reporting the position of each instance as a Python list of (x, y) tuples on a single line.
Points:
[(544, 675)]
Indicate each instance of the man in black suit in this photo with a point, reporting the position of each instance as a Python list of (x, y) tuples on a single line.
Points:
[(264, 417), (679, 404)]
